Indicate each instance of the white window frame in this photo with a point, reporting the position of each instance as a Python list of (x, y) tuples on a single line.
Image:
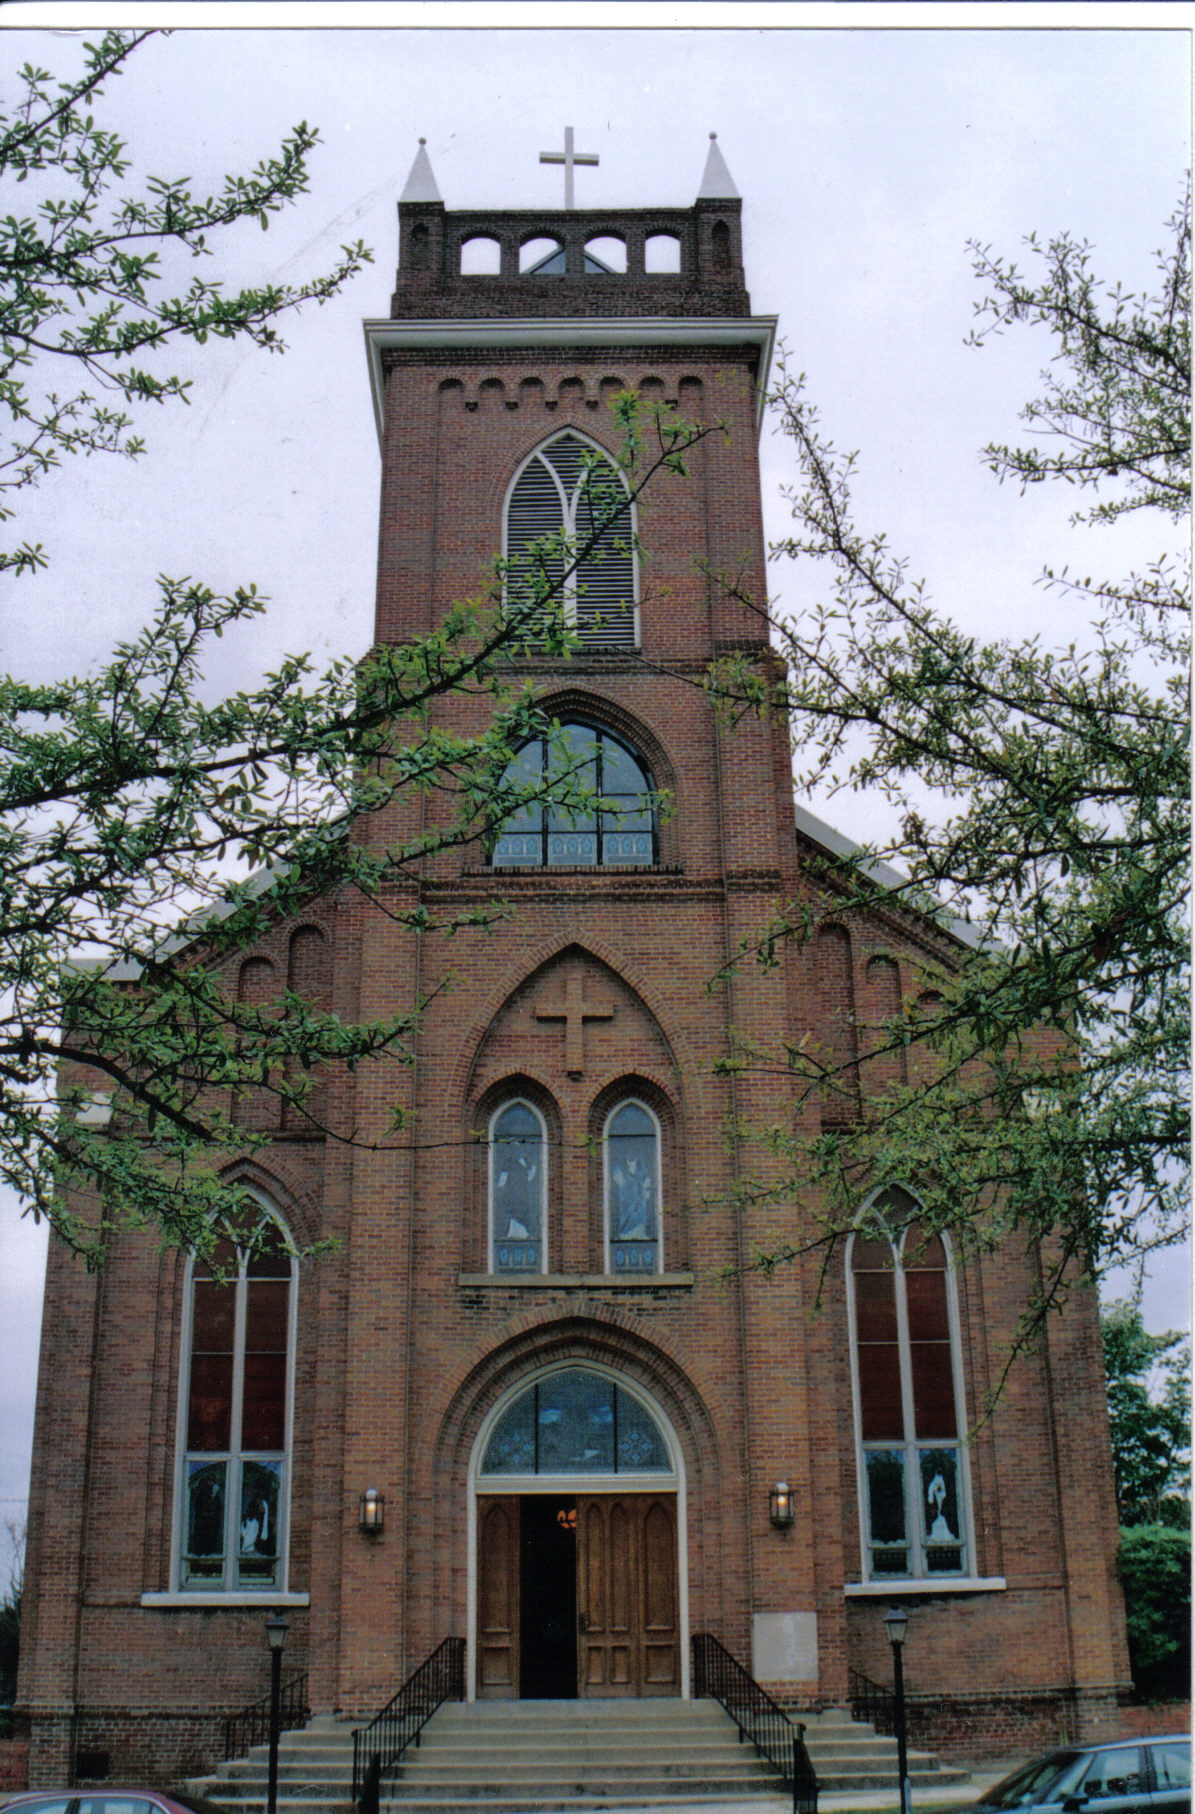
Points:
[(227, 1587), (568, 522), (511, 1102), (911, 1444), (623, 1103)]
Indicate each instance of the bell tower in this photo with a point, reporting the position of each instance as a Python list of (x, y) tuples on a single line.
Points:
[(472, 371), (566, 1093)]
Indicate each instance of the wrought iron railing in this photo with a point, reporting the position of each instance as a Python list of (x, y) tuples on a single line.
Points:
[(378, 1747), (251, 1726), (758, 1717), (870, 1701)]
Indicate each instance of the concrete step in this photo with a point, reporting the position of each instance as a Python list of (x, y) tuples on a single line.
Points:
[(536, 1757)]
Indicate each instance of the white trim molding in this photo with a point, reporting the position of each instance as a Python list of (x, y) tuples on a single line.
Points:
[(573, 333)]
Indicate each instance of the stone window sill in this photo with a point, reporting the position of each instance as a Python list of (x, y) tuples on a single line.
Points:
[(942, 1584), (238, 1597), (573, 1281), (607, 871)]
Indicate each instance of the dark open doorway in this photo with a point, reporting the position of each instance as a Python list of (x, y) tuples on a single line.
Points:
[(548, 1598)]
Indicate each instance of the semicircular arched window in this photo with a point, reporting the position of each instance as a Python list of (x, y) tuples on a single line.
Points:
[(576, 1422), (238, 1359), (611, 820), (907, 1395), (570, 544)]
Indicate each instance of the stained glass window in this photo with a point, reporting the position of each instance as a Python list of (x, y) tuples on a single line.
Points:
[(576, 1422), (632, 1165), (517, 1189), (612, 820), (237, 1369), (912, 1464)]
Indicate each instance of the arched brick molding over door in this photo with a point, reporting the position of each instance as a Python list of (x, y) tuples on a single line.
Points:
[(609, 1338)]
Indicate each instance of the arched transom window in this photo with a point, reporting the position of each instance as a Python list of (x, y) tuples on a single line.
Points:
[(576, 1422), (570, 538), (237, 1369), (907, 1395), (632, 1168), (518, 1180), (612, 818)]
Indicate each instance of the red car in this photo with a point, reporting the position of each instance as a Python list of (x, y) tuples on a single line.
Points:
[(105, 1800)]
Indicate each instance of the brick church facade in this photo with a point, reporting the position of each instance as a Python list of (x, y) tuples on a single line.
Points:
[(534, 1334)]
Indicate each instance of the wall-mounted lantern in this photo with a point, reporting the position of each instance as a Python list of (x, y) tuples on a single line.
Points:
[(780, 1506), (372, 1517)]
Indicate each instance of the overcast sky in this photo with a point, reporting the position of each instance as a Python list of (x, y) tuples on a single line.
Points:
[(868, 151)]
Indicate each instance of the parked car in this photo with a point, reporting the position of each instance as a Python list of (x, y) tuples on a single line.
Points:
[(105, 1800), (1136, 1776)]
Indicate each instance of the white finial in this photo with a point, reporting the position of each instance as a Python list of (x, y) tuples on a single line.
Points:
[(568, 157), (717, 184), (421, 184)]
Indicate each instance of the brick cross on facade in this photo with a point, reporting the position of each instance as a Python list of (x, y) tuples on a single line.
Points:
[(575, 1012), (568, 157)]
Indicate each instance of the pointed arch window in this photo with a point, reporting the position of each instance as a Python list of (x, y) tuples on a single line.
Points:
[(613, 823), (238, 1371), (632, 1190), (570, 538), (907, 1386), (518, 1194)]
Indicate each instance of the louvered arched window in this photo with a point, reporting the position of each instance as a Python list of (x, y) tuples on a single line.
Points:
[(912, 1461), (238, 1360), (569, 543)]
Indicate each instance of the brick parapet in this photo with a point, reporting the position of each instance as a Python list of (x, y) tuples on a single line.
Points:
[(708, 282)]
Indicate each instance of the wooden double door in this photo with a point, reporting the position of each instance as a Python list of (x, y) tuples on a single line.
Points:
[(577, 1596)]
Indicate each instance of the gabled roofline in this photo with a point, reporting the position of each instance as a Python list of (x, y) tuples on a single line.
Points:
[(382, 336), (884, 875)]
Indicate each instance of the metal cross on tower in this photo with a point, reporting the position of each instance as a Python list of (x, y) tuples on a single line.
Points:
[(568, 157)]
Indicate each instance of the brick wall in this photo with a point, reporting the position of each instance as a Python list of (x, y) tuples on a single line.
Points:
[(14, 1764), (407, 1344)]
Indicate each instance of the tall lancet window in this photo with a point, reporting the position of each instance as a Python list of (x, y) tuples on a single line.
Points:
[(907, 1395), (238, 1367), (632, 1190), (570, 530), (518, 1199)]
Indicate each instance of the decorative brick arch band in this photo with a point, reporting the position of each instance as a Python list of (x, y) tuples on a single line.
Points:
[(614, 1339)]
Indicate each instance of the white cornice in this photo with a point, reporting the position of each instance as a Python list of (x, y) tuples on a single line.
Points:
[(512, 331)]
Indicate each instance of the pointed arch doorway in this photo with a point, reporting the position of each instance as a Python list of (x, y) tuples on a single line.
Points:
[(577, 1529)]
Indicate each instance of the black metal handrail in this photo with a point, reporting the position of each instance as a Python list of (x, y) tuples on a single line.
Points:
[(870, 1701), (378, 1747), (721, 1677), (251, 1726)]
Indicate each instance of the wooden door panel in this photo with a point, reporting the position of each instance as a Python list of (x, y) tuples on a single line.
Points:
[(628, 1641), (498, 1598), (660, 1647)]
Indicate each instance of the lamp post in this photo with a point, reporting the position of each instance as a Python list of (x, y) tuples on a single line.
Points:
[(896, 1624), (277, 1627)]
